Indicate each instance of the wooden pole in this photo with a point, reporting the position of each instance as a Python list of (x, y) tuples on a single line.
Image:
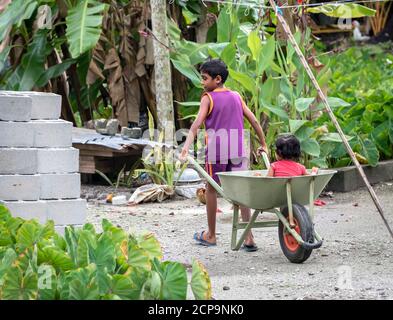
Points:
[(322, 96)]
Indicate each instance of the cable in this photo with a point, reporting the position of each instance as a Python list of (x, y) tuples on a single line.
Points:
[(249, 4)]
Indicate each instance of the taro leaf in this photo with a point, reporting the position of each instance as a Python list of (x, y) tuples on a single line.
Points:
[(139, 258), (86, 244), (19, 286), (47, 283), (276, 110), (200, 282), (151, 289), (28, 234), (151, 245), (124, 287), (5, 236), (345, 11), (84, 26), (369, 151), (302, 104), (334, 137), (59, 259), (174, 281), (5, 214), (6, 263), (16, 12), (320, 163), (104, 255), (83, 285), (54, 72), (295, 125), (71, 240), (311, 147)]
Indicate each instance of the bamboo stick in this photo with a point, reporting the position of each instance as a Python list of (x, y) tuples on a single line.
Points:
[(330, 112)]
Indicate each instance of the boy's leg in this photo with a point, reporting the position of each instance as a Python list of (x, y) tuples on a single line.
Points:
[(211, 209), (211, 201), (242, 165)]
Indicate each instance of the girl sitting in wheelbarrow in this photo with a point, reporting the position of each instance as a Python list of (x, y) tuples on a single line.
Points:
[(287, 154), (222, 110)]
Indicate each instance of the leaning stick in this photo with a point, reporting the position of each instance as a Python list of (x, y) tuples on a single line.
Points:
[(330, 112)]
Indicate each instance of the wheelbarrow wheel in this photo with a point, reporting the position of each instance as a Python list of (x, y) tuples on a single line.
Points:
[(294, 252)]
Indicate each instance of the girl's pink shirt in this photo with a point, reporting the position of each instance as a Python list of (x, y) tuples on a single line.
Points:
[(287, 168)]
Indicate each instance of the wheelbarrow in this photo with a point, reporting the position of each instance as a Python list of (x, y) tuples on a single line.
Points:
[(284, 196)]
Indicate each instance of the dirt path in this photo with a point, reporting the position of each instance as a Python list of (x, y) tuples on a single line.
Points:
[(355, 261)]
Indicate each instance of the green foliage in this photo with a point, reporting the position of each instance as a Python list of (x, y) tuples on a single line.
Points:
[(37, 263), (362, 76)]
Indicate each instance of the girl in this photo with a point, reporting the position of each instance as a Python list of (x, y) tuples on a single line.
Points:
[(287, 154)]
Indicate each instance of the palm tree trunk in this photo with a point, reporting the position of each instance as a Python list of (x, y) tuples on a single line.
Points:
[(164, 97)]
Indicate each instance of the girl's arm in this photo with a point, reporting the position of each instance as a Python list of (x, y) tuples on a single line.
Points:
[(270, 172), (202, 114)]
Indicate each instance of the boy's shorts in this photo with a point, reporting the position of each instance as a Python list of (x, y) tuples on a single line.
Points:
[(233, 165)]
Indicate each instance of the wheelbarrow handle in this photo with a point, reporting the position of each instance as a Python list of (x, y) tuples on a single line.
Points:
[(266, 159)]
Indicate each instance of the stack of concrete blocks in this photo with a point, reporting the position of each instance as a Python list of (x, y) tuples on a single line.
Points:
[(39, 176)]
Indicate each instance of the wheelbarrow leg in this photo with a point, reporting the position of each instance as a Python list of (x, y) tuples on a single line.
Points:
[(246, 230), (235, 223), (290, 208)]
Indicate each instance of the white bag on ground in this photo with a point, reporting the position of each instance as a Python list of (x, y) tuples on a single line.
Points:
[(151, 193)]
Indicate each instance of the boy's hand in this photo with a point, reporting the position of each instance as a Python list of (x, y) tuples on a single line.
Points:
[(262, 149), (183, 154)]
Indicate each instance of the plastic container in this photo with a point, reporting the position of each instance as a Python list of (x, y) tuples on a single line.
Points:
[(119, 200)]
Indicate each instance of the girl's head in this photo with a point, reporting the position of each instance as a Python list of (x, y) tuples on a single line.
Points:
[(214, 74), (288, 148)]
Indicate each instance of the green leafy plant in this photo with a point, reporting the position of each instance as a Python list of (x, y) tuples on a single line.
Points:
[(37, 263)]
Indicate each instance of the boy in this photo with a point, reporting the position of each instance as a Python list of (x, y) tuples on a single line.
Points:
[(222, 111)]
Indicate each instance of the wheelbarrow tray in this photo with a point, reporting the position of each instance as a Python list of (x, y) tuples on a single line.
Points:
[(253, 189)]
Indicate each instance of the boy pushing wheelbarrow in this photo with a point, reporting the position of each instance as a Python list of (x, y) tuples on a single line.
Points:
[(223, 112)]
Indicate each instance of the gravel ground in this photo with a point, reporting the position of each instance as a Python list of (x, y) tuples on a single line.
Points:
[(355, 261)]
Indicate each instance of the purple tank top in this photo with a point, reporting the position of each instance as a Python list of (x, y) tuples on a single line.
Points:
[(224, 126)]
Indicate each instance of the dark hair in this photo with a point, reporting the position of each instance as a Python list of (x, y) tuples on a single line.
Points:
[(214, 68), (288, 147)]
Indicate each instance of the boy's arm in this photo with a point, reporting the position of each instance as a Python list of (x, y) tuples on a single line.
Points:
[(257, 127), (202, 114)]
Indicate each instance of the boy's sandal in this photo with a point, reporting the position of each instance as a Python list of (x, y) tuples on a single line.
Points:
[(198, 237)]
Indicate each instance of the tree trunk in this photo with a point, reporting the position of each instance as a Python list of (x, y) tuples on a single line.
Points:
[(162, 68)]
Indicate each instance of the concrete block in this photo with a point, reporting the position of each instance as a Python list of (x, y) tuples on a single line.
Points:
[(18, 161), (19, 187), (16, 107), (60, 186), (61, 229), (44, 105), (59, 160), (16, 134), (52, 133), (348, 178), (28, 209), (65, 212), (38, 133)]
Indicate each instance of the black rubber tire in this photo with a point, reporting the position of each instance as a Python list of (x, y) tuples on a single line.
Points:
[(306, 231)]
